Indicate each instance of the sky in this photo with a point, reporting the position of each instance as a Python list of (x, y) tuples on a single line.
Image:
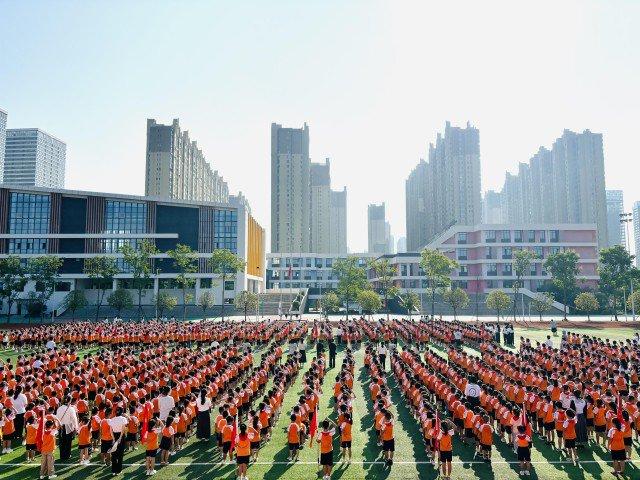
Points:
[(374, 80)]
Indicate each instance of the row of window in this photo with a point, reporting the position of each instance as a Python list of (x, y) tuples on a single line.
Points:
[(506, 253), (519, 236), (308, 262)]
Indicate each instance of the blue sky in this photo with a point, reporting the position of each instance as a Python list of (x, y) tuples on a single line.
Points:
[(374, 80)]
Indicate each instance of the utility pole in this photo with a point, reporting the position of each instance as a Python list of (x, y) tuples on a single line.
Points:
[(626, 219)]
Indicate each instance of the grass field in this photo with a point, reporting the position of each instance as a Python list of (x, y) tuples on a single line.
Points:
[(201, 461)]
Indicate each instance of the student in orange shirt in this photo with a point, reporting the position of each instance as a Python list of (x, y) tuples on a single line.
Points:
[(255, 432), (446, 450), (345, 436), (569, 434), (293, 438), (152, 442), (388, 441), (132, 429), (8, 430), (166, 442), (84, 440), (227, 437), (523, 442), (559, 417), (600, 422), (47, 467), (325, 439), (486, 438), (627, 433), (243, 451), (616, 447), (30, 438)]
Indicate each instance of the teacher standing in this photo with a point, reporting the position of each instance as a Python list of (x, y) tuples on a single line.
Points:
[(67, 416), (203, 431)]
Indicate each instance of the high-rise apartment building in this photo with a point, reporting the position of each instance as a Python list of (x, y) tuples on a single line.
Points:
[(177, 168), (445, 190), (338, 222), (3, 138), (321, 207), (492, 207), (401, 245), (615, 229), (379, 233), (34, 158), (290, 189), (563, 185), (636, 231)]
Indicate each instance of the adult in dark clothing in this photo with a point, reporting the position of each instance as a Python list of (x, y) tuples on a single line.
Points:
[(332, 354), (319, 349)]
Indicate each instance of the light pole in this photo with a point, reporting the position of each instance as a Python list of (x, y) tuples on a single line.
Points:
[(626, 219), (157, 294)]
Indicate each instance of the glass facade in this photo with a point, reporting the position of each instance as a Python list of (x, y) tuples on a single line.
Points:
[(123, 217), (29, 214), (225, 230)]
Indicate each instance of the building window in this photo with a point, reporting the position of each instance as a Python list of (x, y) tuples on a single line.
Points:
[(538, 252), (28, 213), (318, 263), (275, 261), (462, 254), (489, 253), (492, 270), (491, 284), (307, 262), (554, 236), (555, 250), (517, 236), (507, 253), (122, 218), (543, 236), (225, 229), (534, 270), (464, 270), (329, 263), (506, 236), (507, 284), (507, 270), (531, 236), (490, 236), (230, 285), (462, 238)]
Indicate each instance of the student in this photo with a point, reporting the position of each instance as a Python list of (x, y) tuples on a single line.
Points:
[(293, 438), (616, 447), (569, 434), (560, 417), (486, 439), (132, 428), (106, 437), (600, 422), (325, 438), (166, 443), (84, 440), (227, 437), (627, 433), (243, 452), (32, 431), (8, 430), (388, 441), (47, 467), (152, 442), (446, 451), (254, 431), (345, 436), (524, 450)]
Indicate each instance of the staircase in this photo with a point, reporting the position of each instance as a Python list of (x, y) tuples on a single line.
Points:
[(275, 302)]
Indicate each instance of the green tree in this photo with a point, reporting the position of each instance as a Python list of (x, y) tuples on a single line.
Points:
[(369, 301), (410, 302), (563, 267), (587, 302), (384, 273), (499, 301), (75, 300), (522, 267), (437, 268), (329, 303), (616, 274), (13, 280), (352, 279), (226, 264), (633, 301), (542, 302), (139, 260), (246, 301), (163, 302), (185, 261), (457, 298), (120, 299), (206, 301), (44, 271), (101, 270)]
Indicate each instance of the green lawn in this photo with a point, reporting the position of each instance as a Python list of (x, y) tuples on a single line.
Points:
[(201, 461)]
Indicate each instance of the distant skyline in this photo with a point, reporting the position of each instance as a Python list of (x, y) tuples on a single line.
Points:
[(375, 81)]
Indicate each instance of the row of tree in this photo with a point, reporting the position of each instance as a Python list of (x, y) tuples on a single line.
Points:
[(617, 274), (103, 269)]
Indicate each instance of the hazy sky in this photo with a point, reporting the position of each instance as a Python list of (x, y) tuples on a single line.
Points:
[(374, 80)]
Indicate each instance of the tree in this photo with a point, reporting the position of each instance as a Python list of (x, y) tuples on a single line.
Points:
[(499, 301), (410, 301), (563, 267), (457, 298), (164, 301), (75, 300), (206, 301), (329, 303), (542, 302), (120, 299), (369, 301), (246, 301), (587, 302), (185, 262), (139, 260), (101, 270), (522, 267), (633, 301), (12, 279), (226, 264), (352, 279), (437, 268), (43, 271), (616, 274), (384, 273)]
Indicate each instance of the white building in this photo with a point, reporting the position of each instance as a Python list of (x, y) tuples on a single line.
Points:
[(34, 158), (615, 228), (320, 207), (338, 221), (378, 230), (636, 231)]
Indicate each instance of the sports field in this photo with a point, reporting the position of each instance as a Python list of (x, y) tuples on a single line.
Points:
[(200, 460)]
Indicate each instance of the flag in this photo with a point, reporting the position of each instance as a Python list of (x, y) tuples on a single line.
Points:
[(314, 426), (40, 431), (234, 432), (619, 408), (146, 416)]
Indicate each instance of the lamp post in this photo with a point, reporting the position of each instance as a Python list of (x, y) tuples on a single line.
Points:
[(626, 219), (157, 294)]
